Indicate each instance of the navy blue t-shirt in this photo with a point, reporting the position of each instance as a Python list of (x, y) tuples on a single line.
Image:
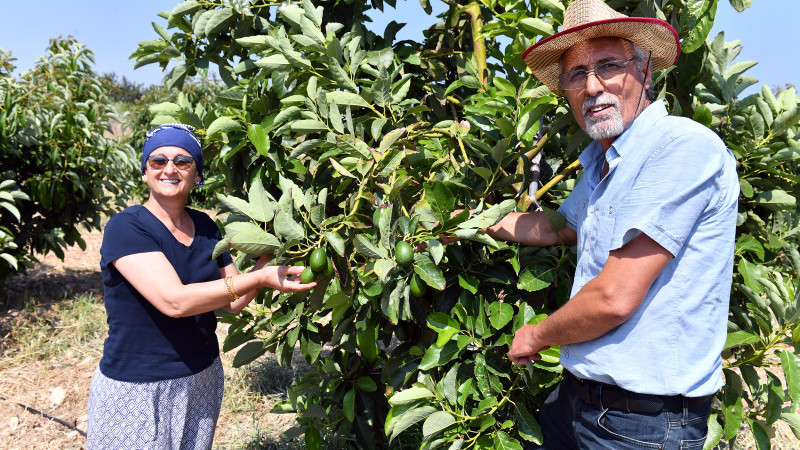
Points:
[(143, 344)]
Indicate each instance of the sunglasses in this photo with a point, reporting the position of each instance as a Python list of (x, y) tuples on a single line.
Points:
[(160, 162)]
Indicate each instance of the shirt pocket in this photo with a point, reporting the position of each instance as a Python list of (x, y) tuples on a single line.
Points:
[(597, 230)]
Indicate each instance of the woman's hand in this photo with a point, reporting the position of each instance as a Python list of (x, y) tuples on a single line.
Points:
[(286, 279)]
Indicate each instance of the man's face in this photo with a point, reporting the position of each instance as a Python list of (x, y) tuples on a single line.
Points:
[(605, 108)]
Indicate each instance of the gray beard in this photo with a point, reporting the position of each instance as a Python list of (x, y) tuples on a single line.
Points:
[(606, 127)]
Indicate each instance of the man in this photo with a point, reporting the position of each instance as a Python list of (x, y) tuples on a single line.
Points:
[(654, 218)]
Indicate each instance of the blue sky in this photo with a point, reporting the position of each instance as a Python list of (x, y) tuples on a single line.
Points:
[(113, 28)]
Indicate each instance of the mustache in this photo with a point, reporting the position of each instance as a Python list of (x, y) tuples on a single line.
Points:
[(602, 99)]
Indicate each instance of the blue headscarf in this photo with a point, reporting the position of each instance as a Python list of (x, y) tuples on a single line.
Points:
[(176, 134)]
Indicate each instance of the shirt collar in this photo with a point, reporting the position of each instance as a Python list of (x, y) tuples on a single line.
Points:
[(644, 121), (593, 156)]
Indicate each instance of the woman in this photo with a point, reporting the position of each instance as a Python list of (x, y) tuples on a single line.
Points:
[(160, 381)]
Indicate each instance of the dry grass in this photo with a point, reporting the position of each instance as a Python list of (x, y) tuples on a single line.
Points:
[(52, 329)]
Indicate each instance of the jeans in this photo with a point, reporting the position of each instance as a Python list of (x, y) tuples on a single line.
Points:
[(570, 423)]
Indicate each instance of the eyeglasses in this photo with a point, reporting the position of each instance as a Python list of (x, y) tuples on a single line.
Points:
[(160, 162), (576, 79)]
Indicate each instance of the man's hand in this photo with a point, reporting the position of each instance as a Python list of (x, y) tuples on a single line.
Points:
[(525, 347)]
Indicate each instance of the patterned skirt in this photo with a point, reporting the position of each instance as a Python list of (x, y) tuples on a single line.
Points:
[(180, 413)]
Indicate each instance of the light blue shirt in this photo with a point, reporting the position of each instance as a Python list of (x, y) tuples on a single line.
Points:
[(675, 181)]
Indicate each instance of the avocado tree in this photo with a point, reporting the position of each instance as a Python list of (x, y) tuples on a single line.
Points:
[(58, 171), (352, 153)]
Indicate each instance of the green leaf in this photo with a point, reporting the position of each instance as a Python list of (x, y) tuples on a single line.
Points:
[(252, 41), (440, 199), (448, 385), (444, 325), (336, 241), (353, 146), (224, 124), (760, 434), (259, 138), (305, 126), (536, 26), (255, 241), (248, 353), (184, 8), (410, 417), (502, 441), (500, 314), (236, 205), (335, 117), (166, 108), (218, 21), (468, 282), (739, 338), (287, 227), (366, 384), (364, 246), (703, 115), (383, 267), (696, 21), (786, 120), (347, 98), (389, 140), (741, 5), (793, 420), (536, 277), (437, 356), (349, 405), (490, 216), (790, 363), (367, 342), (776, 200), (313, 438), (733, 417), (341, 170), (529, 428), (275, 62), (437, 422), (161, 31), (430, 272), (409, 395), (714, 433)]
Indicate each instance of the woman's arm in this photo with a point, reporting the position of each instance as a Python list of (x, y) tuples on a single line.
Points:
[(152, 275)]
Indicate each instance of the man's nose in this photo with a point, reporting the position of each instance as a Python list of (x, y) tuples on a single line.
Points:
[(593, 84)]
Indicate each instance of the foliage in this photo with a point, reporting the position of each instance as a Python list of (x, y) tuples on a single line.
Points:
[(52, 124), (331, 136), (124, 90)]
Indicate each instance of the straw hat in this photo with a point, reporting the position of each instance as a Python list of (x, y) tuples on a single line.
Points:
[(587, 19)]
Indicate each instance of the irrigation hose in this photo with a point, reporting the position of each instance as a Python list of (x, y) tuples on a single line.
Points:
[(46, 416)]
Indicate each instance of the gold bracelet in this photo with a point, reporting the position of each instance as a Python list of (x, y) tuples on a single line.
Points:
[(232, 295)]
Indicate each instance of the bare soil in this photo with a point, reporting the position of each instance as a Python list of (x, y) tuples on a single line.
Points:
[(58, 387)]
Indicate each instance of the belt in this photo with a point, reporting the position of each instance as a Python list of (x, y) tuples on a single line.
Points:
[(614, 397)]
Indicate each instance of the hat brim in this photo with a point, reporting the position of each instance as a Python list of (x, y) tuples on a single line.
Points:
[(652, 35)]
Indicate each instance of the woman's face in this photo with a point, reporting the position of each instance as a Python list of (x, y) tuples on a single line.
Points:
[(170, 181)]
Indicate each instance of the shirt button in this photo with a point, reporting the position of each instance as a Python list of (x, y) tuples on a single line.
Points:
[(591, 210)]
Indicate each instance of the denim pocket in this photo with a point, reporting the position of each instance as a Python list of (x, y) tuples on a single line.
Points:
[(638, 430), (693, 444)]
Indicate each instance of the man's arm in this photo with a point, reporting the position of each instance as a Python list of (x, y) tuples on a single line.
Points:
[(603, 303), (532, 229)]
